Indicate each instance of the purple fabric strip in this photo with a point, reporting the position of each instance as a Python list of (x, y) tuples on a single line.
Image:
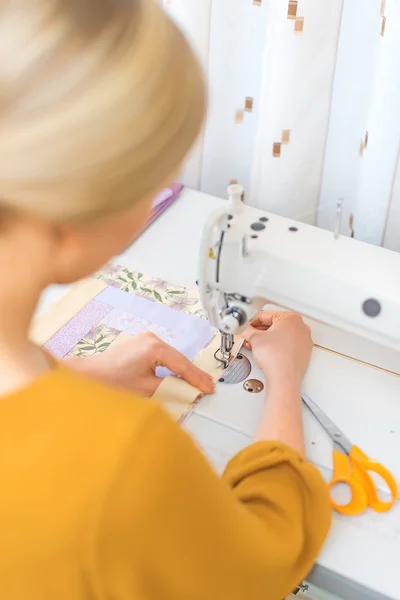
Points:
[(68, 336), (193, 333), (167, 193), (162, 201), (162, 197), (160, 206), (152, 311), (159, 210)]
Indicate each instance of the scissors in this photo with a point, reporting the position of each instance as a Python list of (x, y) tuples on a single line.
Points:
[(351, 466)]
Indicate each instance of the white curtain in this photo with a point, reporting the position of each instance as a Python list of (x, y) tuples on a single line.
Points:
[(298, 73), (229, 36), (304, 108), (194, 18), (392, 233), (362, 151)]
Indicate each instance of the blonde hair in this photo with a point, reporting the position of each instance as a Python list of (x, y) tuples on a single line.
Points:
[(100, 100)]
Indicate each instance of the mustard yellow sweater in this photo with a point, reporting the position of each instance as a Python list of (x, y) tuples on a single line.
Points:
[(103, 497)]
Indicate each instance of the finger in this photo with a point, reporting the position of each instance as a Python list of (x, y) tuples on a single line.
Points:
[(177, 363), (263, 321), (248, 334), (265, 318)]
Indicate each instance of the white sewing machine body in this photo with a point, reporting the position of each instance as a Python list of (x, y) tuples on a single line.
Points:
[(351, 293), (249, 257)]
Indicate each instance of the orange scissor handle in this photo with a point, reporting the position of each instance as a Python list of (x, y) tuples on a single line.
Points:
[(342, 473), (361, 464)]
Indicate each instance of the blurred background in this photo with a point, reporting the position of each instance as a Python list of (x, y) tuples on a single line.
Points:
[(304, 108)]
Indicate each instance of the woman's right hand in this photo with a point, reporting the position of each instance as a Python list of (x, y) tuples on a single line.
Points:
[(281, 343)]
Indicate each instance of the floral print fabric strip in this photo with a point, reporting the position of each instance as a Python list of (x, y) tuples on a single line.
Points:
[(174, 296), (96, 341)]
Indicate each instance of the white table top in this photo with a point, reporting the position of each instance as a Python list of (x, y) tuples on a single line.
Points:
[(360, 559)]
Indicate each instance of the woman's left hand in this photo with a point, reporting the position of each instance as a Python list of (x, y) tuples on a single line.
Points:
[(132, 365)]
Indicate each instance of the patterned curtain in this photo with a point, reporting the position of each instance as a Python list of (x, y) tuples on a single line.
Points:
[(304, 108)]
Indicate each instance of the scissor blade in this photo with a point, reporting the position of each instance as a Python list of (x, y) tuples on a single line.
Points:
[(331, 429)]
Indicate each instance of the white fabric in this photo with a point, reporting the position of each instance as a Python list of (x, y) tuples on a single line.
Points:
[(238, 29), (352, 92), (297, 86), (327, 85), (392, 236), (193, 17), (366, 98), (379, 162)]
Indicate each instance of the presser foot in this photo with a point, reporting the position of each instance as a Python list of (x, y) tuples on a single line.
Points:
[(223, 360)]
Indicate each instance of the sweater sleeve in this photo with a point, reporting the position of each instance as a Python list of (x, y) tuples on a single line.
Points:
[(171, 528)]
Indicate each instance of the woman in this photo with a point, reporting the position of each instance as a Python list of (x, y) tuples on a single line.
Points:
[(102, 495)]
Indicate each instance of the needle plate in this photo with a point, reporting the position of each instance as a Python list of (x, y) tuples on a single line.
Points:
[(238, 370)]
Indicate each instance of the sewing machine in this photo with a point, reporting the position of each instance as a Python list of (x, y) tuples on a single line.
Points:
[(351, 293), (249, 257)]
